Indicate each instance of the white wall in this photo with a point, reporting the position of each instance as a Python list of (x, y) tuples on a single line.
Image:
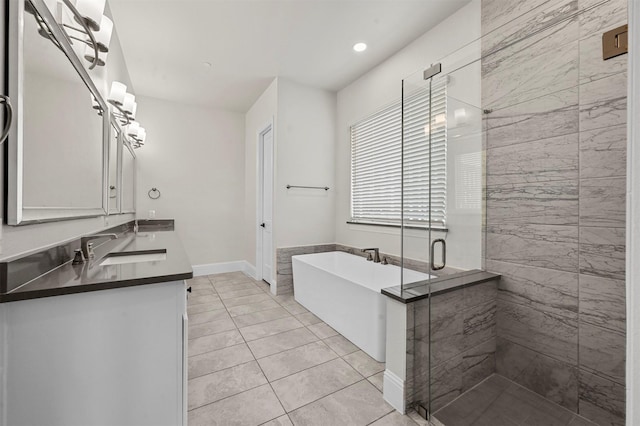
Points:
[(263, 112), (381, 87), (305, 153), (195, 157), (304, 145)]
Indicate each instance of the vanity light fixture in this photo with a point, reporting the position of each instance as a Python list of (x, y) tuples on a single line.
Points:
[(90, 12), (103, 37), (129, 102), (124, 103), (96, 105), (132, 129), (360, 47), (117, 93), (90, 54)]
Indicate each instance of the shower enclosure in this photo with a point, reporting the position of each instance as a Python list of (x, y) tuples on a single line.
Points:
[(443, 214), (507, 145)]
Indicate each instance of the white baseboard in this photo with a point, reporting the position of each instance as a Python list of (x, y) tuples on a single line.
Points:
[(222, 267), (393, 391), (249, 270)]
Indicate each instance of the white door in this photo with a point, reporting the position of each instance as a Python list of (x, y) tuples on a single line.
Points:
[(266, 222)]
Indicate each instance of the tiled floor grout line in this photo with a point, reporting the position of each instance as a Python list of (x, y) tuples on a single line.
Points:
[(306, 326), (262, 371)]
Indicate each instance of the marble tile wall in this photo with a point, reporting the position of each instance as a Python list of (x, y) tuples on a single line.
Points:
[(284, 270), (458, 331), (556, 167)]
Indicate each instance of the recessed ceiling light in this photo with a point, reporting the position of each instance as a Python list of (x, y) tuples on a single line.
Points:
[(360, 47)]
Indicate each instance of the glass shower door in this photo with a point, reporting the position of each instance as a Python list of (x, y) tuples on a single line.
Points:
[(443, 209)]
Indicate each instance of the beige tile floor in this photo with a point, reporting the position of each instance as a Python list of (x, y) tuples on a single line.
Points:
[(260, 359)]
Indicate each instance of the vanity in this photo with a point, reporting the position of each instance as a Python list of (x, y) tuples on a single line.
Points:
[(102, 342)]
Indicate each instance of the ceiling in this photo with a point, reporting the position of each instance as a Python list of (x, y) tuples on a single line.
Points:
[(249, 42)]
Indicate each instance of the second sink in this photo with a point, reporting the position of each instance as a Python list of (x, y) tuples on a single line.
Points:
[(124, 257)]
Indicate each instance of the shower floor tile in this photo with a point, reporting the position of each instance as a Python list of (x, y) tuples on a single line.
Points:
[(259, 359), (498, 401)]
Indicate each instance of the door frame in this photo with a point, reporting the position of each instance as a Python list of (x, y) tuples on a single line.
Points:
[(262, 130)]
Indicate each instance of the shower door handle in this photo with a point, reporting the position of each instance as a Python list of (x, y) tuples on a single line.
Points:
[(432, 254)]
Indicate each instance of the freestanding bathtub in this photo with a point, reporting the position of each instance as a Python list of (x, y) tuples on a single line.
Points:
[(343, 290)]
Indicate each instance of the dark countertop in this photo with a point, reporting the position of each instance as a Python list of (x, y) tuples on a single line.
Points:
[(70, 279), (424, 289)]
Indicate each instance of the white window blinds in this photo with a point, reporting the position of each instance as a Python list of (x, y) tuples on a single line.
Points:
[(376, 161)]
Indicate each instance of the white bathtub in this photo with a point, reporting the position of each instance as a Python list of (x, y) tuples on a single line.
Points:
[(344, 291)]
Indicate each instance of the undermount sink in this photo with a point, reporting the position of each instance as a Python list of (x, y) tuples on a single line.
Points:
[(121, 258)]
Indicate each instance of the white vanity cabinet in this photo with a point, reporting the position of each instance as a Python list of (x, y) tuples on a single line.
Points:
[(109, 357)]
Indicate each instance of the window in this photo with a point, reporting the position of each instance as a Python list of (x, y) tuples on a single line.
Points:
[(376, 161)]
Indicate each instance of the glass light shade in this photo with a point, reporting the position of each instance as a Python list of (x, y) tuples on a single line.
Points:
[(95, 103), (132, 116), (142, 135), (129, 102), (117, 93), (89, 54), (91, 11), (132, 129), (103, 37)]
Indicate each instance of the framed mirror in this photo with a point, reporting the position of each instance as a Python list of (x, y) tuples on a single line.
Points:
[(115, 166), (58, 151), (128, 176)]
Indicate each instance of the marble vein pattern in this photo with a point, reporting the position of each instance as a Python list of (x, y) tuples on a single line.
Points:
[(284, 269), (603, 103), (546, 246), (556, 168), (603, 152), (524, 20), (453, 338), (497, 13), (271, 369), (551, 203), (541, 118), (546, 160), (598, 16), (602, 351), (550, 334), (601, 400), (516, 53), (553, 379), (507, 86), (602, 252), (602, 302), (542, 289), (603, 202)]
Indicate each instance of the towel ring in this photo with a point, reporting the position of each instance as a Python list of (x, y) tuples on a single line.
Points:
[(154, 190)]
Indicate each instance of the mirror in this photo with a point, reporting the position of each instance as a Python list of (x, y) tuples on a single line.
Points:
[(58, 151), (128, 183), (115, 155)]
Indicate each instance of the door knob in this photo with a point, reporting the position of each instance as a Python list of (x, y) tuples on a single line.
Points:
[(263, 225)]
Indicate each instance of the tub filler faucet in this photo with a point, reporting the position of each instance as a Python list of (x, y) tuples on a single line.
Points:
[(376, 254)]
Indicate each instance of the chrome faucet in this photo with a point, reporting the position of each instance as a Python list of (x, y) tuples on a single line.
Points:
[(376, 254), (87, 247)]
